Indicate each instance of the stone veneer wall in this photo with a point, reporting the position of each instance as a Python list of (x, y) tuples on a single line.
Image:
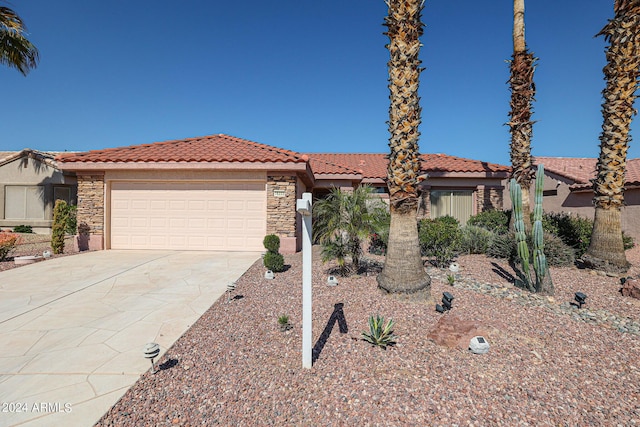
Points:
[(488, 198), (281, 211), (91, 209)]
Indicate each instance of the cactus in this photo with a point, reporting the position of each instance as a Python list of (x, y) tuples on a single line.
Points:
[(542, 283)]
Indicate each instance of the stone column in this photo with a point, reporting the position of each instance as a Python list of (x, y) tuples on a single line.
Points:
[(90, 212), (281, 210)]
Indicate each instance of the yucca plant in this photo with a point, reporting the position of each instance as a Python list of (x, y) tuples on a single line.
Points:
[(283, 321), (380, 334)]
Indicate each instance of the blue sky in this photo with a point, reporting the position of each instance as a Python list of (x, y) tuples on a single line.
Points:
[(304, 75)]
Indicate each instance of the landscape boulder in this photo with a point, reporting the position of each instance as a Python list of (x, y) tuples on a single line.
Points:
[(631, 288), (453, 332)]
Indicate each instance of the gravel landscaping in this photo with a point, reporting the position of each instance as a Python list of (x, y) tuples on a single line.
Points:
[(549, 362), (35, 245)]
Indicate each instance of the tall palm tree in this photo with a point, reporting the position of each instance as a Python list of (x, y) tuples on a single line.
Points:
[(403, 271), (15, 50), (606, 250), (523, 91)]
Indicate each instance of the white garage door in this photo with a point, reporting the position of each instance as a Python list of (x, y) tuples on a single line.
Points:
[(188, 216)]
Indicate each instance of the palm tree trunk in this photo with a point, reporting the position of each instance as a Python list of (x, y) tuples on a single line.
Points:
[(606, 249), (522, 96), (403, 271)]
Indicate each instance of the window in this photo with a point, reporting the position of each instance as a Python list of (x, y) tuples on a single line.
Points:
[(62, 193), (455, 203), (24, 202)]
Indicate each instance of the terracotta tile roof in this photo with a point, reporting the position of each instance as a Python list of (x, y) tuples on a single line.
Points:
[(369, 165), (445, 163), (582, 170), (374, 165), (212, 148), (321, 167)]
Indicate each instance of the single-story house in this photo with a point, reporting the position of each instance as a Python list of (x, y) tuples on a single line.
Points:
[(568, 188), (30, 183), (220, 192)]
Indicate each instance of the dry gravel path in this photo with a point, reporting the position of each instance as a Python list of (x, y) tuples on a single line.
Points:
[(549, 364)]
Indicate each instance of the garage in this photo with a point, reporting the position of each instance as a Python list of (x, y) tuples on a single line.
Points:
[(211, 215)]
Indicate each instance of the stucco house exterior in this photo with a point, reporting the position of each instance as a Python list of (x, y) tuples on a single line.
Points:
[(568, 188), (220, 192), (30, 183)]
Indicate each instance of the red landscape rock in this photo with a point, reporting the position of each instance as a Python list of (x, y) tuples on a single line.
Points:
[(631, 288), (452, 331)]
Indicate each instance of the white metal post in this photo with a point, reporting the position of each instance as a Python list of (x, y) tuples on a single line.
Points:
[(304, 207)]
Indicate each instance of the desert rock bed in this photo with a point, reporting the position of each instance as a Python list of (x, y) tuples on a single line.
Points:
[(549, 364)]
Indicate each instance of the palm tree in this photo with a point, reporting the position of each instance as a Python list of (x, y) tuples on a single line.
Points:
[(403, 271), (606, 250), (343, 221), (15, 50), (522, 95)]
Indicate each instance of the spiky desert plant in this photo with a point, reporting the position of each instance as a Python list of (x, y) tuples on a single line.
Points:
[(606, 249), (380, 335), (403, 271), (523, 90)]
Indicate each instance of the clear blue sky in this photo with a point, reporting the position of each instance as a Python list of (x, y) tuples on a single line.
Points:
[(305, 75)]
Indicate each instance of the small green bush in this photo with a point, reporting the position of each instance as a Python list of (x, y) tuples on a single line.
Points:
[(574, 230), (71, 227), (60, 215), (439, 238), (274, 261), (558, 253), (22, 229), (271, 243), (475, 239), (627, 241), (380, 334), (502, 246), (492, 220)]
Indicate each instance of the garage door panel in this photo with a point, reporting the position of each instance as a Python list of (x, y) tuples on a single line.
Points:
[(188, 216)]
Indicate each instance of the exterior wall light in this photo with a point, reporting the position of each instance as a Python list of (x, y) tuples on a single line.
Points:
[(447, 300), (151, 351)]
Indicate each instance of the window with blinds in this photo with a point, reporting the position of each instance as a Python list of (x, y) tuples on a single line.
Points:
[(455, 203), (24, 202)]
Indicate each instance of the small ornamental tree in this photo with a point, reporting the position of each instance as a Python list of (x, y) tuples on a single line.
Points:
[(273, 260), (60, 215)]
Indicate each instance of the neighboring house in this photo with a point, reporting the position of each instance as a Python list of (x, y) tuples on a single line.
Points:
[(30, 183), (568, 188), (455, 186), (219, 192)]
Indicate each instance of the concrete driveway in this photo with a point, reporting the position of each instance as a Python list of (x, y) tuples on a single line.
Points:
[(72, 329)]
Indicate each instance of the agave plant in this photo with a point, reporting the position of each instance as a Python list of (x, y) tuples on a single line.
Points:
[(379, 333)]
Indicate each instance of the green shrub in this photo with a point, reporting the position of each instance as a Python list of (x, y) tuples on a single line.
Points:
[(22, 229), (502, 246), (557, 252), (8, 241), (627, 241), (71, 227), (274, 261), (379, 334), (271, 243), (439, 238), (475, 239), (492, 220), (60, 215), (574, 230)]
